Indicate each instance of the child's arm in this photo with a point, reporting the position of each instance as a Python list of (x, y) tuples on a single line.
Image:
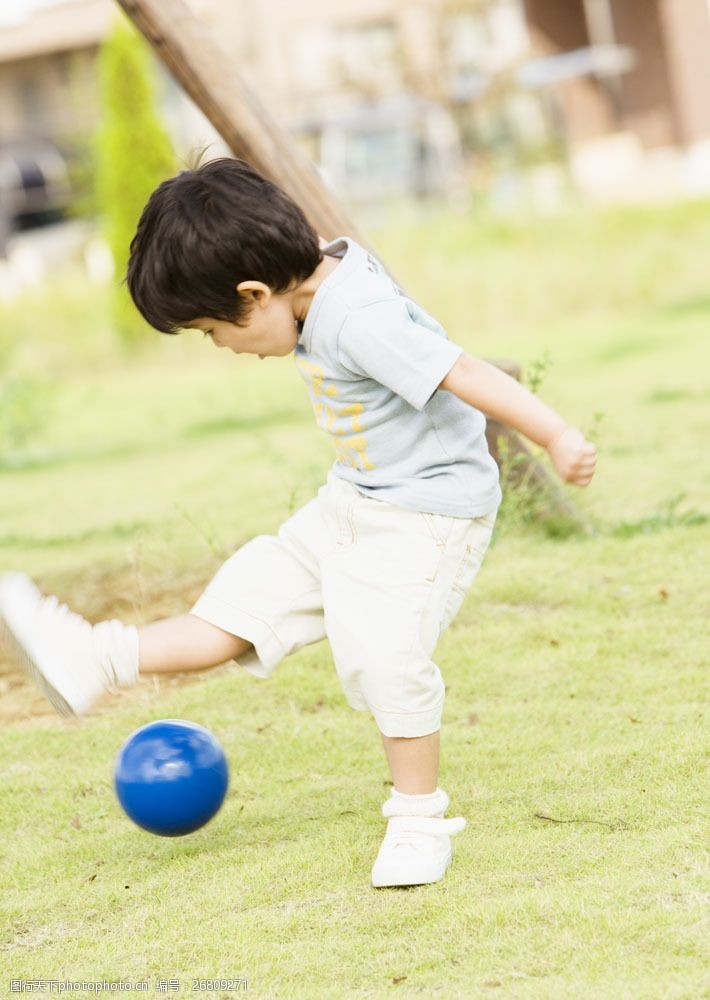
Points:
[(489, 389)]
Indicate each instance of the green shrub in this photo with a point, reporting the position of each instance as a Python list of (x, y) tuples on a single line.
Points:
[(24, 401), (134, 155)]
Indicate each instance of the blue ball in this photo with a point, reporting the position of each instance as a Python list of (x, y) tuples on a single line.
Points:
[(171, 777)]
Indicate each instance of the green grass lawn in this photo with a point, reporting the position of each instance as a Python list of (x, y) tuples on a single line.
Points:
[(576, 672)]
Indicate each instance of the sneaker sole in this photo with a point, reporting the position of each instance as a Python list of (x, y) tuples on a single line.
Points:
[(33, 671), (399, 880)]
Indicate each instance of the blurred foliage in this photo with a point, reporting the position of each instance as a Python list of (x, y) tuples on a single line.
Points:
[(24, 400), (134, 154), (669, 514), (536, 371), (81, 163)]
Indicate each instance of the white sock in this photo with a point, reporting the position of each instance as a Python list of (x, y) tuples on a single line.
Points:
[(400, 804), (116, 647)]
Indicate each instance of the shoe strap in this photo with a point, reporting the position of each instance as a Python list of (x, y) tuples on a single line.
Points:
[(435, 825)]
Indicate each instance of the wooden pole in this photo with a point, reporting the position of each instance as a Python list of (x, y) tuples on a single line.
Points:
[(207, 73)]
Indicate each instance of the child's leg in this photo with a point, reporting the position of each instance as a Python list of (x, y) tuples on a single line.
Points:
[(262, 604), (413, 762), (186, 642), (387, 596), (74, 662), (417, 847)]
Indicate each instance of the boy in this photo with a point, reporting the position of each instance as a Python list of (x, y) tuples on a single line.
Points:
[(380, 560)]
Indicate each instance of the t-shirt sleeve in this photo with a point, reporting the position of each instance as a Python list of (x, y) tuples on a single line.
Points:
[(382, 341)]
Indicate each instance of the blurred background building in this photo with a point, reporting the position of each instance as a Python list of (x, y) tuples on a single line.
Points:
[(502, 98)]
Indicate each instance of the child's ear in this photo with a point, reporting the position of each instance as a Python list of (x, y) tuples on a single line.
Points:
[(256, 290)]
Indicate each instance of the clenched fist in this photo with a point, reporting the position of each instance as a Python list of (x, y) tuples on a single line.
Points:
[(573, 457)]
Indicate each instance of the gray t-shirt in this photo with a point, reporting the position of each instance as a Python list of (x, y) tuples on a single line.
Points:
[(373, 360)]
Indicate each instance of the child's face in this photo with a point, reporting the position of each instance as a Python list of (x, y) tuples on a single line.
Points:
[(269, 330)]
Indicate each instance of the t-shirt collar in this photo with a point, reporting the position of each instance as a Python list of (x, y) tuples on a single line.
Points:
[(350, 254)]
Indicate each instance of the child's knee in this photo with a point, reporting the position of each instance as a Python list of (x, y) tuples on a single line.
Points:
[(404, 694)]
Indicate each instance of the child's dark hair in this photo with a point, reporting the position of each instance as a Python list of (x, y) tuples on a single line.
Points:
[(207, 229)]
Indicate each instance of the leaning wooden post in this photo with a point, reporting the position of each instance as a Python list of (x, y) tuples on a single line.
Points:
[(205, 71), (208, 75)]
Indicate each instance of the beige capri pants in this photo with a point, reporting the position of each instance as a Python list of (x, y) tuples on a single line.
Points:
[(381, 582)]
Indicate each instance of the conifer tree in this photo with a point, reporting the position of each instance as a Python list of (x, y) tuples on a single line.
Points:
[(134, 154)]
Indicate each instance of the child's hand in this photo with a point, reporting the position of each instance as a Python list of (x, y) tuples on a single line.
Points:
[(573, 457)]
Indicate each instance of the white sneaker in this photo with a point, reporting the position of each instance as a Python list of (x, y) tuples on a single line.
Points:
[(416, 850), (61, 652)]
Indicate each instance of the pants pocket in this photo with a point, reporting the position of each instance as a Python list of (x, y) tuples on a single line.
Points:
[(345, 523), (476, 543), (439, 526)]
